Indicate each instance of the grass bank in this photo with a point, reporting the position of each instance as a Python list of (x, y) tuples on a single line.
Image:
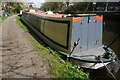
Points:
[(18, 21), (2, 18), (58, 68)]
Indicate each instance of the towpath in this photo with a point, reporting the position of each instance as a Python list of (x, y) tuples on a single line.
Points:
[(19, 59)]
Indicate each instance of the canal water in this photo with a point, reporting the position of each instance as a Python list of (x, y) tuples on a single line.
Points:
[(111, 30)]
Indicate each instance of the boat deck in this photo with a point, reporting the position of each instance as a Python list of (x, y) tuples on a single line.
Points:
[(90, 53)]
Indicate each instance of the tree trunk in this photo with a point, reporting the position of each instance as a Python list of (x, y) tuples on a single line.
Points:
[(106, 7)]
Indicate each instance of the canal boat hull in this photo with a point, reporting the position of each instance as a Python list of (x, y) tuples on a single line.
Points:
[(74, 37)]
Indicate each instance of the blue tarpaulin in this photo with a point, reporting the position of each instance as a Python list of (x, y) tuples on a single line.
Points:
[(6, 14)]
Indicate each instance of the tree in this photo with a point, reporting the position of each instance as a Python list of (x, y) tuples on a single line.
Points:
[(106, 6), (12, 7), (89, 6), (53, 6), (77, 7)]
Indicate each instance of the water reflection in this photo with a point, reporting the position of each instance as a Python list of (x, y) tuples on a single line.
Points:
[(111, 30)]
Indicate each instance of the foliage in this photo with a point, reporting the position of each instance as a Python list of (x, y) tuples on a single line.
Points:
[(78, 7), (53, 6), (12, 7), (61, 7), (67, 70)]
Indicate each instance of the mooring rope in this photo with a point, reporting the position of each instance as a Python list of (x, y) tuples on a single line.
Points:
[(75, 44), (108, 69)]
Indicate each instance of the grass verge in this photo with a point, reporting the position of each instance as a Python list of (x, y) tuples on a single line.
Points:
[(58, 68), (3, 18), (18, 21)]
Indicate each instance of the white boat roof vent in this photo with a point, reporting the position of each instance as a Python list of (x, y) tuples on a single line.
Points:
[(49, 12)]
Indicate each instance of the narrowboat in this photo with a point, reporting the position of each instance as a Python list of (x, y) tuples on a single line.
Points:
[(78, 36)]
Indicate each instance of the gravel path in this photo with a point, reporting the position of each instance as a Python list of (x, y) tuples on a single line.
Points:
[(19, 59)]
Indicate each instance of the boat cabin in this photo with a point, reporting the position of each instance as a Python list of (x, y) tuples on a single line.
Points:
[(65, 32)]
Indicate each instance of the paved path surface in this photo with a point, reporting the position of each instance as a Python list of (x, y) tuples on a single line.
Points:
[(19, 59)]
